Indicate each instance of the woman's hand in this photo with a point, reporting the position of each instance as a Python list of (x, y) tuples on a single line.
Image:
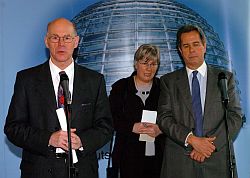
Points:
[(147, 128), (138, 128)]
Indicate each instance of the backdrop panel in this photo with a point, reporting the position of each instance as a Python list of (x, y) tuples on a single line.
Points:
[(22, 30)]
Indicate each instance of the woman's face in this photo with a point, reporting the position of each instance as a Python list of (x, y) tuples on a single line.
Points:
[(146, 70)]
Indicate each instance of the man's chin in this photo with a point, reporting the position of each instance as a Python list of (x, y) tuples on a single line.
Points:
[(62, 58)]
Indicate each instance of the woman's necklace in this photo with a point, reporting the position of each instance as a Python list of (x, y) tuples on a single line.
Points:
[(143, 89)]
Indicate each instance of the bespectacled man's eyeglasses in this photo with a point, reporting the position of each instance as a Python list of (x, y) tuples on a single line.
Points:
[(56, 39)]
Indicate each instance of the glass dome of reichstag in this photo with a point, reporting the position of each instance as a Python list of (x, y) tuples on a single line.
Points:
[(111, 31)]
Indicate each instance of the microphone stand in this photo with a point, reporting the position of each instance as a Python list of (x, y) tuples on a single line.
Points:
[(64, 82), (231, 157), (72, 170)]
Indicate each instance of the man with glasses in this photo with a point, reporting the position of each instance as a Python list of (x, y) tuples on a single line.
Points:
[(32, 122)]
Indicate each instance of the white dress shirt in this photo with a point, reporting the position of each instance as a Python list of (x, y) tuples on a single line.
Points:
[(202, 78), (54, 70)]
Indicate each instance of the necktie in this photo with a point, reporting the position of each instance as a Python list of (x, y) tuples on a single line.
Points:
[(196, 103), (60, 96)]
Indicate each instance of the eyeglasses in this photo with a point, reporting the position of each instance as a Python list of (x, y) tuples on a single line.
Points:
[(145, 64), (56, 39)]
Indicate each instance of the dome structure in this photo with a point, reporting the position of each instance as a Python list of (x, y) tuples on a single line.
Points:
[(110, 32)]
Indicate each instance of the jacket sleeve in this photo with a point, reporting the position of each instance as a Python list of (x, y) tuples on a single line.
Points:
[(167, 113), (118, 98), (17, 127), (234, 117)]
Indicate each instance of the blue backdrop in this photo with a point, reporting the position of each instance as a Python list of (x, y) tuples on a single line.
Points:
[(22, 31)]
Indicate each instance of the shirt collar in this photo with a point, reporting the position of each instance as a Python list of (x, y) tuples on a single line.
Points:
[(55, 70), (202, 69)]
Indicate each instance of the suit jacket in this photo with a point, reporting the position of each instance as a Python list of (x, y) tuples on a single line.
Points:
[(175, 118), (32, 119)]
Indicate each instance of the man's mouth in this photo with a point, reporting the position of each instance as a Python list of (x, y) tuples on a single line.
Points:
[(61, 51), (192, 56)]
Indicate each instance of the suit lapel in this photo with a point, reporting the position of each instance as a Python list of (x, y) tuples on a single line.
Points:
[(45, 88), (184, 89), (78, 90), (211, 91)]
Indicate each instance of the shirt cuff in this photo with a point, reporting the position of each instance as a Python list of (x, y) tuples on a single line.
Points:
[(81, 149), (186, 143)]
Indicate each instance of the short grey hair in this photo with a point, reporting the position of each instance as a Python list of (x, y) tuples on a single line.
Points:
[(147, 52)]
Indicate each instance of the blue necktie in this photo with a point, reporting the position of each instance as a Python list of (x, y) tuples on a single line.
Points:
[(197, 108)]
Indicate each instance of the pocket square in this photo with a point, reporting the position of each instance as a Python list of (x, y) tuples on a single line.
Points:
[(85, 104)]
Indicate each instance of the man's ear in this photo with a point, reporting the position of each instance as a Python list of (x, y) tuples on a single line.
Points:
[(46, 41), (180, 50), (205, 47), (77, 38)]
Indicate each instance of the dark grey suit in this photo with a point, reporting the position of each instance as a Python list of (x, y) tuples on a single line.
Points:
[(175, 118), (32, 119)]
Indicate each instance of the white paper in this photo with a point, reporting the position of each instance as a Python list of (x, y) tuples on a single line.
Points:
[(150, 149), (150, 117), (147, 138), (63, 123)]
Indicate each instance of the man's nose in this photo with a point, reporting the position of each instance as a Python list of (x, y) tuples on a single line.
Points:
[(61, 41), (191, 48)]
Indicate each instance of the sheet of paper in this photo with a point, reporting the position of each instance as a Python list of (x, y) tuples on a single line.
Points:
[(63, 123), (150, 117), (150, 149)]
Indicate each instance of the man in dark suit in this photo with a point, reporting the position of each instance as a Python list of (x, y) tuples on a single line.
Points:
[(32, 122), (196, 143)]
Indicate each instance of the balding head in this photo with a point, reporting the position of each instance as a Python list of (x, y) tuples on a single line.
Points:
[(61, 40), (61, 22)]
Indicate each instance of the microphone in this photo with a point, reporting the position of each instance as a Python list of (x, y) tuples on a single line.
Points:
[(223, 87), (64, 82)]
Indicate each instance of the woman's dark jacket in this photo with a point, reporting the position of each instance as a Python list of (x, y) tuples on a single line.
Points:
[(126, 108)]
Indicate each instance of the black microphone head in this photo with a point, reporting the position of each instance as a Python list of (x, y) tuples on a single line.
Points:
[(222, 76), (64, 82), (222, 80)]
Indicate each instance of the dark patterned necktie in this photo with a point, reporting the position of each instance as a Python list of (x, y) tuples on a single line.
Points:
[(197, 108), (60, 96)]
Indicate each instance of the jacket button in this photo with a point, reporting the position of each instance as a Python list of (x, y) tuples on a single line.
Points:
[(50, 171)]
